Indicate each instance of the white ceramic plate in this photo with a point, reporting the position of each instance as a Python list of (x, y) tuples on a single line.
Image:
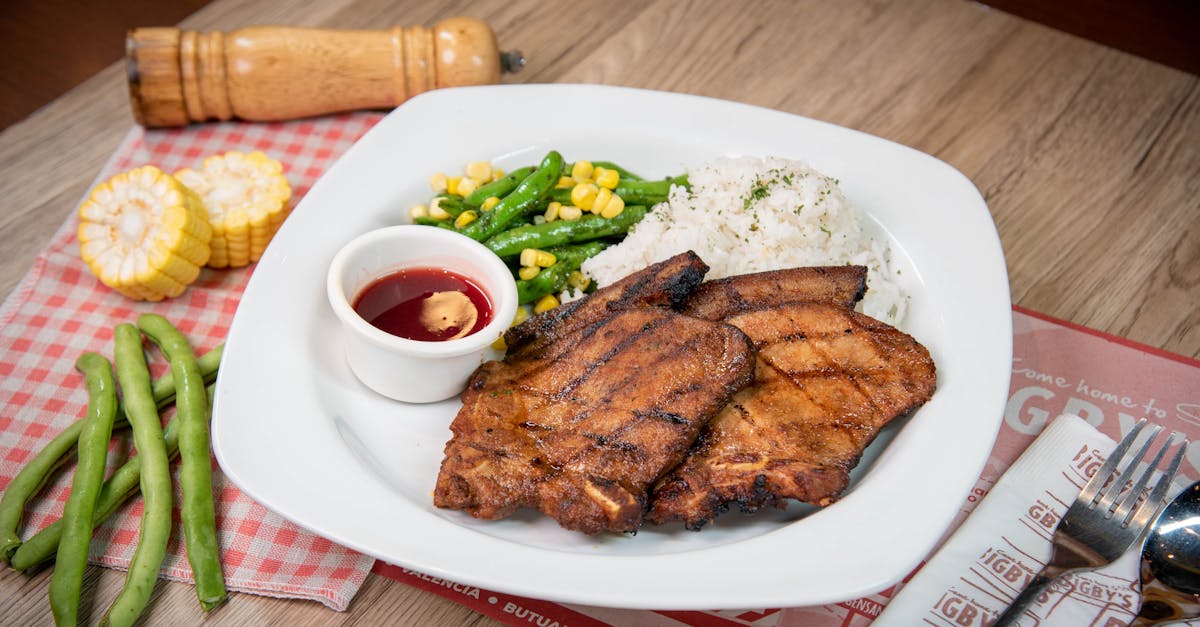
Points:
[(296, 431)]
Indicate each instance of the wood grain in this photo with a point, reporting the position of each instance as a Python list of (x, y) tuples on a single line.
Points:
[(1088, 159)]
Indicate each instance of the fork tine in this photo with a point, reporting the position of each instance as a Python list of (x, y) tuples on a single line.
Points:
[(1158, 496), (1124, 512), (1089, 492), (1107, 501)]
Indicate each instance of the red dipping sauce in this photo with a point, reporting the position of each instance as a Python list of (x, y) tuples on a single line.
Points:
[(425, 304)]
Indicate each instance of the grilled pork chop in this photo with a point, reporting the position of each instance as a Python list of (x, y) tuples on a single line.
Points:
[(827, 379), (593, 404), (721, 298)]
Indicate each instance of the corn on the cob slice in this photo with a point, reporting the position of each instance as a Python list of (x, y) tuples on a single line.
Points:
[(247, 199), (144, 234)]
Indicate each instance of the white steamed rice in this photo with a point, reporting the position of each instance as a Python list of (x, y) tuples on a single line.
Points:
[(752, 214)]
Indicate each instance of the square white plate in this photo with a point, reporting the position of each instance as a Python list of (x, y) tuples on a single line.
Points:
[(296, 431)]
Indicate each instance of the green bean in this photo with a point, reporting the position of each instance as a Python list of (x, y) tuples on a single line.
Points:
[(526, 196), (134, 377), (589, 227), (634, 192), (449, 203), (427, 221), (552, 280), (626, 175), (195, 467), (37, 470), (119, 488), (499, 187), (72, 558)]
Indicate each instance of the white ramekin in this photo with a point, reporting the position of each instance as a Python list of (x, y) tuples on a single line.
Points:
[(409, 370)]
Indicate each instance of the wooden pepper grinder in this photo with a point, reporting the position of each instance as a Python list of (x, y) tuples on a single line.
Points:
[(276, 73)]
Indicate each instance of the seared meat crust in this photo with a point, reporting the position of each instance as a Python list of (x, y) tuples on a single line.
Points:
[(827, 379), (592, 409), (720, 298)]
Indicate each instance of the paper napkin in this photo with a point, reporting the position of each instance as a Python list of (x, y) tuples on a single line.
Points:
[(1006, 540)]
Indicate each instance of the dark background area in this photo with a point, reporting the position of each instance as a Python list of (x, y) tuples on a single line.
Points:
[(49, 46)]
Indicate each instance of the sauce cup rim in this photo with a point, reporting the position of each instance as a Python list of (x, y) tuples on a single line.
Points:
[(503, 296)]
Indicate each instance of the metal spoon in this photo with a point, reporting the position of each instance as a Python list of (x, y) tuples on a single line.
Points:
[(1171, 562)]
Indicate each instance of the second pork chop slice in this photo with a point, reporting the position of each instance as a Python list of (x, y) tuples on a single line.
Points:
[(582, 429)]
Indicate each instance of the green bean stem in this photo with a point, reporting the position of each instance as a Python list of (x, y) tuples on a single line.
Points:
[(589, 227), (72, 558), (195, 466), (37, 470), (551, 280), (119, 488), (134, 377), (527, 195)]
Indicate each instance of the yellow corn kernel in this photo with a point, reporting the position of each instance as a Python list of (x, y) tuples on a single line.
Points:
[(479, 170), (437, 183), (247, 196), (419, 211), (144, 234), (603, 195), (521, 316), (545, 303), (583, 195), (465, 218), (452, 184), (565, 182), (577, 280), (466, 185), (499, 344), (497, 174), (614, 207), (570, 213), (527, 273), (490, 203), (531, 257), (436, 212), (582, 171), (552, 211), (607, 178)]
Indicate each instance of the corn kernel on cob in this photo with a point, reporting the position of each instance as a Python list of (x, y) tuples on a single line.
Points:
[(144, 234), (247, 196)]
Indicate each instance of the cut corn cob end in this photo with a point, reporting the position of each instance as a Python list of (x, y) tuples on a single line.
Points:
[(144, 234), (247, 198)]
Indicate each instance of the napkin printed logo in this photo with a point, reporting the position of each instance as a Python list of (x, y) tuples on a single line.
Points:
[(470, 591), (956, 608), (1043, 515), (1004, 570), (1118, 595)]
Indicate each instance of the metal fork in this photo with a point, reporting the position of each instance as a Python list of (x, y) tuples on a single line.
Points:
[(1104, 522)]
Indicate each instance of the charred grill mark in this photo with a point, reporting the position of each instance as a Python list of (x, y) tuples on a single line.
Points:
[(617, 349), (662, 415)]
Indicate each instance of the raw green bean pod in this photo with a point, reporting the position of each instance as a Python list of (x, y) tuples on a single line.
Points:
[(589, 227), (499, 188), (33, 475), (552, 280), (80, 507), (526, 196), (119, 488), (195, 468), (134, 377)]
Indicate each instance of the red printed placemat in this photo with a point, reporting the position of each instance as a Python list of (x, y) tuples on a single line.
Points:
[(1058, 368), (59, 310)]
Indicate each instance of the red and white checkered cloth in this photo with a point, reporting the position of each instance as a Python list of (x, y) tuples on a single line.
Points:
[(59, 310)]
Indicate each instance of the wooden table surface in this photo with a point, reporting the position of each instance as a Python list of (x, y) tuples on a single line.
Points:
[(1089, 160)]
